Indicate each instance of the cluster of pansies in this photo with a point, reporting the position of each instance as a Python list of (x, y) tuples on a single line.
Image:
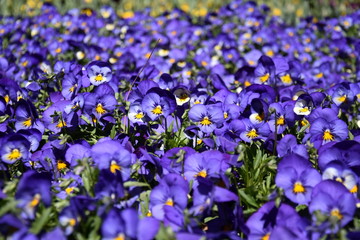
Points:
[(229, 126)]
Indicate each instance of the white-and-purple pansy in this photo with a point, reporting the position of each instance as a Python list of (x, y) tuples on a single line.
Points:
[(99, 72)]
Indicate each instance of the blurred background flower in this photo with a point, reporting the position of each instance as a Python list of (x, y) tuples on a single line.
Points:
[(290, 10)]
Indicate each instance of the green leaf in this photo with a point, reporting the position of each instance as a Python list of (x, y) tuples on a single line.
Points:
[(300, 207), (113, 132), (136, 184), (7, 207), (95, 226), (40, 222), (3, 118), (351, 136), (304, 128), (165, 233), (248, 199), (210, 218)]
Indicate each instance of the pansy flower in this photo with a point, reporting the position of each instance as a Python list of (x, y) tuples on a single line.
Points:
[(323, 131), (110, 154), (297, 177), (70, 86), (337, 171), (198, 97), (29, 197), (303, 105), (99, 72), (136, 114), (254, 132), (27, 117), (259, 111), (101, 102), (55, 119), (207, 117), (69, 219), (208, 164), (265, 71), (334, 200), (172, 161), (172, 191), (342, 94), (120, 224), (268, 218), (282, 117), (182, 95), (289, 145), (157, 103), (14, 147), (347, 152), (109, 185)]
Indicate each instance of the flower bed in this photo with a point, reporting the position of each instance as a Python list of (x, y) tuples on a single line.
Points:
[(229, 126)]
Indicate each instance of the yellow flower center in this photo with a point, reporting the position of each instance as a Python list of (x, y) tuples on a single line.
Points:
[(247, 83), (260, 117), (319, 75), (304, 110), (61, 124), (35, 201), (265, 77), (100, 109), (202, 173), (172, 60), (27, 122), (25, 63), (354, 189), (342, 98), (60, 165), (114, 167), (298, 188), (270, 53), (339, 179), (280, 121), (204, 63), (7, 98), (139, 115), (328, 136), (72, 89), (226, 115), (251, 62), (266, 237), (169, 202), (69, 190), (14, 155), (72, 222), (99, 78), (205, 121), (58, 50), (286, 79), (336, 213), (157, 110), (120, 236), (252, 134)]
